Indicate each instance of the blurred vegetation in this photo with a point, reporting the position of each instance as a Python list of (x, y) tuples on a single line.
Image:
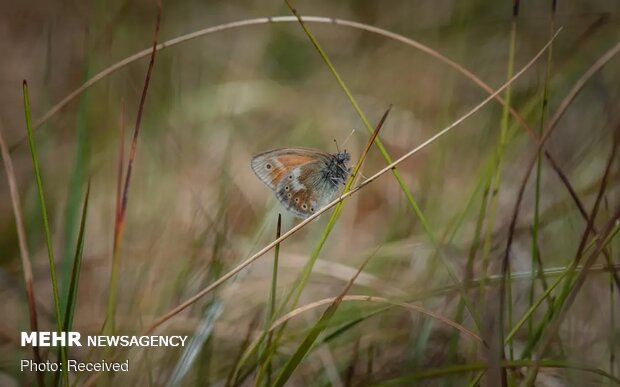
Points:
[(195, 210)]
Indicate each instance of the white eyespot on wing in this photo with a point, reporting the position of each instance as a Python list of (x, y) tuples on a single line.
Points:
[(296, 198)]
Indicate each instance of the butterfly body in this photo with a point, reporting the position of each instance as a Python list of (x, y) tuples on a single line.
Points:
[(303, 179)]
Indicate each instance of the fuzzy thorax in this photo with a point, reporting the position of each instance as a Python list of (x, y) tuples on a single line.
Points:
[(336, 170)]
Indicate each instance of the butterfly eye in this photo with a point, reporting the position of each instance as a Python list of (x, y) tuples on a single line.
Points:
[(286, 188), (296, 200), (311, 209), (267, 166), (304, 206), (290, 195), (290, 177)]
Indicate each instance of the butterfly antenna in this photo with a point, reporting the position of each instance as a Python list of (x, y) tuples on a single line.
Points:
[(336, 142), (348, 137)]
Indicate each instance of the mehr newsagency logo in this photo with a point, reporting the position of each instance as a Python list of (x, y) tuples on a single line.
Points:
[(75, 339)]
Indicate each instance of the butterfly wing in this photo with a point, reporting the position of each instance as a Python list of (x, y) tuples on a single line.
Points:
[(297, 175), (296, 191), (273, 165)]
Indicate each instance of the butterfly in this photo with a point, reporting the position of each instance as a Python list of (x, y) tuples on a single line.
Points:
[(303, 179)]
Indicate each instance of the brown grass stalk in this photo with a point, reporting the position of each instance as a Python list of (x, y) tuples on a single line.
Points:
[(123, 198), (23, 246)]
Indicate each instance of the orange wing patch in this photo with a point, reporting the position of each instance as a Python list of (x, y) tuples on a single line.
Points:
[(272, 166), (286, 164)]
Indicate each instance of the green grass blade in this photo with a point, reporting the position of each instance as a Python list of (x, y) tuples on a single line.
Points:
[(75, 270), (265, 368), (46, 226), (74, 279), (76, 183), (536, 259), (506, 284), (345, 327), (494, 195), (308, 342)]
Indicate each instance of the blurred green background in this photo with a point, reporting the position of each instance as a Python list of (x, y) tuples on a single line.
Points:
[(196, 209)]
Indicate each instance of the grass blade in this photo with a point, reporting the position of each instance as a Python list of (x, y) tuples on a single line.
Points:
[(265, 368), (506, 284), (46, 227), (314, 333), (72, 289), (75, 270), (120, 214), (23, 246)]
